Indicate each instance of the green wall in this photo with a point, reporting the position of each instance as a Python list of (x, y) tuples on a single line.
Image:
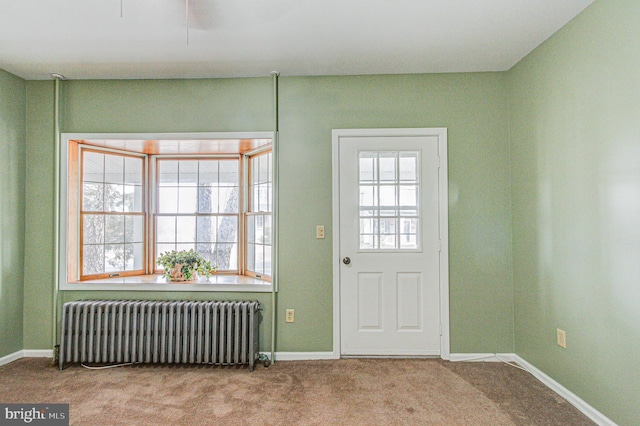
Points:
[(12, 199), (474, 108), (575, 156)]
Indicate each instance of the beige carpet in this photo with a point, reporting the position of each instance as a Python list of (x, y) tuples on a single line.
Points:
[(341, 392)]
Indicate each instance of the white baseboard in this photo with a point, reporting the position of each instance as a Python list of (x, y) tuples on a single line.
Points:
[(304, 356), (11, 357), (38, 353), (482, 357), (26, 353), (571, 398)]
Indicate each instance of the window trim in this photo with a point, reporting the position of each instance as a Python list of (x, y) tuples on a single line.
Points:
[(219, 282)]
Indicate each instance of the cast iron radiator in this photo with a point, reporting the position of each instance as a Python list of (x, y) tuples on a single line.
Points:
[(171, 332)]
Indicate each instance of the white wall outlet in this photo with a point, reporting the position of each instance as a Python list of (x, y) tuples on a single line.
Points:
[(290, 315), (562, 338), (320, 231)]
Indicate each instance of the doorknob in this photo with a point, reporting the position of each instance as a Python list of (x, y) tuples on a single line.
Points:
[(346, 261)]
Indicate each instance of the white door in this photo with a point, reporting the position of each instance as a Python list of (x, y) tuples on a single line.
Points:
[(389, 241)]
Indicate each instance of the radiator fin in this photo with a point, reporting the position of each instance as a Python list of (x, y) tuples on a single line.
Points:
[(165, 332)]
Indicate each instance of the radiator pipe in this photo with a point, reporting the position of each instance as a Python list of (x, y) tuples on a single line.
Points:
[(57, 78), (274, 272)]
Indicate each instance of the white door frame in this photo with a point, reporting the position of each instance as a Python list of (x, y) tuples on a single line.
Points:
[(443, 213)]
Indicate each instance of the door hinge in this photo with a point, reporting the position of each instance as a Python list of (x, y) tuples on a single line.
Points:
[(439, 245), (441, 329)]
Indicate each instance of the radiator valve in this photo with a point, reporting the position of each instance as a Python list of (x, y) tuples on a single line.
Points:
[(264, 359)]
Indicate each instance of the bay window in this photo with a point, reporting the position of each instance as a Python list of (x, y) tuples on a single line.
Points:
[(126, 201)]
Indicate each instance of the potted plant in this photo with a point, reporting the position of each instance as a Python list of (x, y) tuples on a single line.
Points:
[(183, 265)]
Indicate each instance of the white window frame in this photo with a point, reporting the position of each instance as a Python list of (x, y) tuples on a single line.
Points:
[(225, 283)]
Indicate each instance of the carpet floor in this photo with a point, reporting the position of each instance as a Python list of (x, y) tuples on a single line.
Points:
[(336, 392)]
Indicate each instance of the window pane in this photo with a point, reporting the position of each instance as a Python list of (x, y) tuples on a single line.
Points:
[(267, 260), (259, 229), (251, 257), (114, 169), (207, 200), (264, 198), (206, 229), (388, 233), (167, 172), (167, 199), (93, 259), (368, 196), (132, 198), (93, 229), (114, 229), (188, 173), (264, 163), (208, 172), (113, 257), (408, 196), (207, 251), (229, 173), (227, 229), (409, 167), (133, 171), (409, 233), (368, 162), (92, 166), (259, 256), (185, 246), (267, 229), (388, 242), (134, 257), (228, 200), (93, 197), (186, 229), (367, 242), (187, 199), (113, 198), (388, 201), (226, 257), (166, 229), (388, 166), (251, 227), (255, 198), (134, 229)]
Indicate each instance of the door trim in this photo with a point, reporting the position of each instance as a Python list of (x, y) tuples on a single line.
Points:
[(443, 226)]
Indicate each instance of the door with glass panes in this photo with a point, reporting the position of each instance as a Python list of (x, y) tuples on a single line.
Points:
[(389, 245)]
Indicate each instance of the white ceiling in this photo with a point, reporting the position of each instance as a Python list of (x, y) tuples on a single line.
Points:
[(89, 39)]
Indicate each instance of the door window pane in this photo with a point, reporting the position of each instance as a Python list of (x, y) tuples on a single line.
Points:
[(389, 200)]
